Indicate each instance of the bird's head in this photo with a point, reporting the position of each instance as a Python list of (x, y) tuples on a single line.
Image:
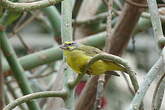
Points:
[(69, 45)]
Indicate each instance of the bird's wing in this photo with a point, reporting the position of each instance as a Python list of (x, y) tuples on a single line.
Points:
[(89, 50)]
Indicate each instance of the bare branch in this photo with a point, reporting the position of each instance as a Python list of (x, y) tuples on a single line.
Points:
[(28, 6), (151, 75), (62, 94), (158, 93)]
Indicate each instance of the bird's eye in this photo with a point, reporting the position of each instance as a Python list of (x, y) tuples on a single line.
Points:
[(73, 43)]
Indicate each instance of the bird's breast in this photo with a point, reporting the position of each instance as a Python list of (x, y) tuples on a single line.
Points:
[(76, 60)]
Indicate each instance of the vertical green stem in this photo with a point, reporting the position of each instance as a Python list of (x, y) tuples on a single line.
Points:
[(16, 68), (66, 34), (66, 26), (54, 19)]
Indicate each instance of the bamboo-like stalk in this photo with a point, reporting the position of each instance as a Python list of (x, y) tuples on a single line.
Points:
[(54, 19), (66, 24), (16, 68), (66, 35)]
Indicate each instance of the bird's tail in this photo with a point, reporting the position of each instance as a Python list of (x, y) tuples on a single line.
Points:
[(112, 73)]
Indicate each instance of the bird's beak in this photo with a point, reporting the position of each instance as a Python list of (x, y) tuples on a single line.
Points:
[(62, 47)]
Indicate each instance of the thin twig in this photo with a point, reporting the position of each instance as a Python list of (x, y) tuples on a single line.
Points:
[(109, 25), (7, 99), (1, 83), (128, 84), (102, 16), (118, 3), (105, 2), (76, 8), (93, 19), (72, 84), (27, 47), (1, 90), (21, 25), (101, 80), (99, 93), (33, 77), (158, 93), (29, 97), (13, 94)]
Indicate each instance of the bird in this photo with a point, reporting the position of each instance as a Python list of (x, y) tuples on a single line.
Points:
[(78, 55)]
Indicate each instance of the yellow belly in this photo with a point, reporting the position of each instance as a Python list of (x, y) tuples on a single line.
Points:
[(77, 60)]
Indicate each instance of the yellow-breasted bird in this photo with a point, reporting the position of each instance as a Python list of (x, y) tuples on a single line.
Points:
[(78, 55)]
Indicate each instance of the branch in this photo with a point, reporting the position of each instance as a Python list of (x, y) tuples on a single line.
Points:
[(54, 18), (72, 84), (156, 23), (36, 76), (1, 84), (101, 80), (16, 68), (99, 92), (158, 93), (66, 35), (116, 60), (91, 20), (159, 90), (151, 75), (28, 6), (13, 94), (66, 24), (159, 65), (128, 84), (29, 97)]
